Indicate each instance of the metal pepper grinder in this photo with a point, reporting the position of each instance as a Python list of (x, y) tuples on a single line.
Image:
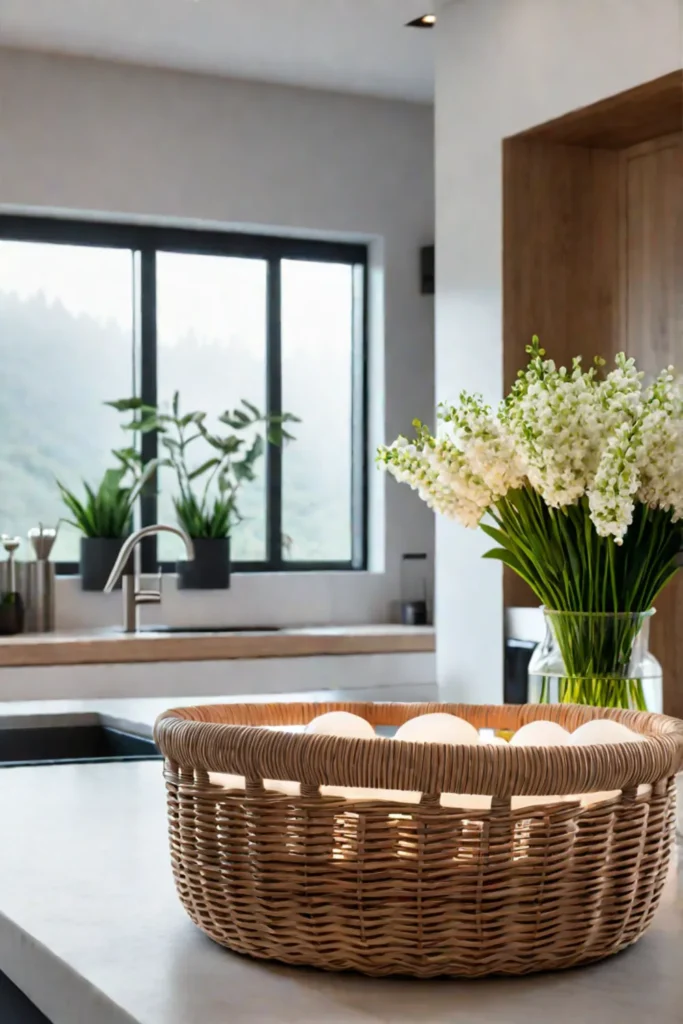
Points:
[(42, 579)]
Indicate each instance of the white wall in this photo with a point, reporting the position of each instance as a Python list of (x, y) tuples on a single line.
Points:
[(107, 139), (503, 66)]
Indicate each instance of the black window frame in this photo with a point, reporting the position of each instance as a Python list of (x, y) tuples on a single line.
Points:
[(145, 241)]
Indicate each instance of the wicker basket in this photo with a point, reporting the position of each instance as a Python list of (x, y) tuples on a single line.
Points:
[(392, 888)]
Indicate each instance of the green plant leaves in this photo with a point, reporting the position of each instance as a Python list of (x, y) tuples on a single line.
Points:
[(128, 405), (232, 464), (192, 417), (201, 470), (106, 512), (570, 568), (256, 415), (203, 519)]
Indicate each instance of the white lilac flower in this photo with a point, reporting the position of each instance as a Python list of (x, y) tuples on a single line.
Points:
[(554, 418), (565, 433), (662, 445), (612, 495), (487, 445)]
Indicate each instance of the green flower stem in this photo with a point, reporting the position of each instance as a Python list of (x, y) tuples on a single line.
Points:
[(597, 692), (597, 593)]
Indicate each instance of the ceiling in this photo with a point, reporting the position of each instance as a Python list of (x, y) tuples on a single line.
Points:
[(358, 46)]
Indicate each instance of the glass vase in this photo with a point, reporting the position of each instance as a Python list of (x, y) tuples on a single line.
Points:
[(596, 658)]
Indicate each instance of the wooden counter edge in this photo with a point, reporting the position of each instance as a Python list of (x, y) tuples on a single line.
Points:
[(146, 649)]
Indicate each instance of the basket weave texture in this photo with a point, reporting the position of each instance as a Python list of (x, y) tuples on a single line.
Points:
[(392, 888)]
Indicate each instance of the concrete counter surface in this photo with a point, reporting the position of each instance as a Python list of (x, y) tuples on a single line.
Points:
[(92, 931)]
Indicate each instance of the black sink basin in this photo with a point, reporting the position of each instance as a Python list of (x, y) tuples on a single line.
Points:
[(210, 629), (71, 744)]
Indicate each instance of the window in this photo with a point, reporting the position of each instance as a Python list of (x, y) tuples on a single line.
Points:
[(93, 312)]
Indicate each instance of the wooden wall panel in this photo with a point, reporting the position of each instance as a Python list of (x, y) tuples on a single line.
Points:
[(647, 111), (653, 253), (561, 265), (652, 282)]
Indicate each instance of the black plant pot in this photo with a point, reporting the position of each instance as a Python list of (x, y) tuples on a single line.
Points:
[(210, 569), (98, 555)]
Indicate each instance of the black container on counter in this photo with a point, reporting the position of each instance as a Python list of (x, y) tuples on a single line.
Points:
[(516, 682), (414, 606), (11, 614)]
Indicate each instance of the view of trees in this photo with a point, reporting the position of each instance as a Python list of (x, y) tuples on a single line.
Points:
[(61, 362)]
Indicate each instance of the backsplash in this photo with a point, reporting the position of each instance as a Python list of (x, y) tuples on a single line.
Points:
[(255, 599)]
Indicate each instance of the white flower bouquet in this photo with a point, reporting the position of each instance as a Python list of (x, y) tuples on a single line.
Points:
[(578, 478)]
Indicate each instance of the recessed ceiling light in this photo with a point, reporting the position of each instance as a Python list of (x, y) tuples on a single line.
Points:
[(426, 21)]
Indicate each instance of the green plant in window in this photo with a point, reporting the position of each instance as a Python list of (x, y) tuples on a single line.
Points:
[(107, 511), (206, 504)]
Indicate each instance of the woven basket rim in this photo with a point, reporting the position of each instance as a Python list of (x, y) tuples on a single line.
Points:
[(228, 738)]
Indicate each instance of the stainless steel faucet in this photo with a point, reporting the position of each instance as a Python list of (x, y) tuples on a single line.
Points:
[(133, 596)]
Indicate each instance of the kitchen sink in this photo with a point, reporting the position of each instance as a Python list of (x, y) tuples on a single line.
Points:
[(71, 744), (210, 629)]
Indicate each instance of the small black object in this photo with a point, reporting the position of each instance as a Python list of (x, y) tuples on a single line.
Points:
[(11, 614), (414, 613), (414, 596), (427, 283), (424, 21), (517, 657), (98, 555), (210, 569)]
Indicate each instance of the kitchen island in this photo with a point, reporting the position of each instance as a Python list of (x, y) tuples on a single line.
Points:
[(92, 931)]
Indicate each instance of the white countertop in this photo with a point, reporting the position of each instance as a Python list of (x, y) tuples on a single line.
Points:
[(92, 931), (91, 928), (138, 714)]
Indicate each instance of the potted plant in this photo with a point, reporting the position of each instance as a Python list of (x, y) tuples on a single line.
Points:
[(208, 486), (104, 515), (578, 478)]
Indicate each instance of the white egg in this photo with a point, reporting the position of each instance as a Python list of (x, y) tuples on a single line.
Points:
[(282, 786), (341, 723), (605, 730), (437, 728), (474, 801), (434, 728), (237, 782), (540, 734), (534, 801), (227, 781), (395, 795), (466, 801)]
